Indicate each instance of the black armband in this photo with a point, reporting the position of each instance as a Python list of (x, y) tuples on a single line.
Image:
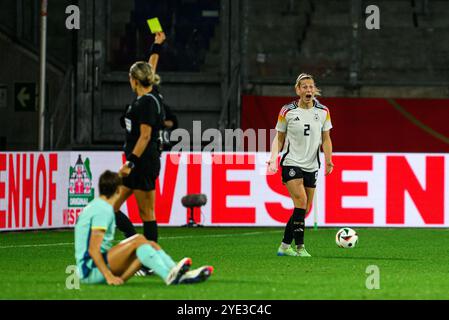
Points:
[(155, 48)]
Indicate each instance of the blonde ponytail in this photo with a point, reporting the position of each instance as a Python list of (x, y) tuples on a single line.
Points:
[(143, 72)]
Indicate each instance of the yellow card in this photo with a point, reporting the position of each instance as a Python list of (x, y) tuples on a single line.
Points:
[(154, 25)]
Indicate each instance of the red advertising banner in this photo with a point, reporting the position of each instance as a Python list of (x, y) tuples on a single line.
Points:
[(49, 190), (29, 190)]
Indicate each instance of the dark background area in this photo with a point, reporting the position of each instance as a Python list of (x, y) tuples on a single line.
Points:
[(216, 53)]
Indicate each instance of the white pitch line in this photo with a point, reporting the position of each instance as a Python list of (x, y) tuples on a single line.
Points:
[(218, 235), (162, 238), (38, 245)]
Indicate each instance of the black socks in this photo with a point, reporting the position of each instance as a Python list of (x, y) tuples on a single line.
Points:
[(288, 233), (295, 227), (150, 230), (298, 226), (124, 224)]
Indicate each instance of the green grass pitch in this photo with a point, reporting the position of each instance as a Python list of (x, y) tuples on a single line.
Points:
[(413, 264)]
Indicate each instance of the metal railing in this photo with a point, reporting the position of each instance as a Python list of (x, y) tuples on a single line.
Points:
[(60, 119)]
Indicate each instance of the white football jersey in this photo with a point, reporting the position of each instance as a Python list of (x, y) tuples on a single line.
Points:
[(304, 128)]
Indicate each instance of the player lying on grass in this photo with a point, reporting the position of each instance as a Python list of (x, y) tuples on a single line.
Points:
[(100, 262)]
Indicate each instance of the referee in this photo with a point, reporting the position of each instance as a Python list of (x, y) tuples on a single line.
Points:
[(143, 121)]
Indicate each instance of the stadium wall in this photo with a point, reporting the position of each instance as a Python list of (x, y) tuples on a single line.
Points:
[(49, 190), (366, 124)]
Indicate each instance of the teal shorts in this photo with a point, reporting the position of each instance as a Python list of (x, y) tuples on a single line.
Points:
[(95, 277), (92, 275)]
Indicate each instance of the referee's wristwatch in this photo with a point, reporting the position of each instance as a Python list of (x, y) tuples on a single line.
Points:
[(130, 164), (132, 160)]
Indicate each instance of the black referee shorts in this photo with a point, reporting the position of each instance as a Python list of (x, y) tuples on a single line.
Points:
[(291, 173), (143, 176)]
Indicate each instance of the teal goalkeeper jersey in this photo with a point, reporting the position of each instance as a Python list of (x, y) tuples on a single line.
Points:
[(97, 215)]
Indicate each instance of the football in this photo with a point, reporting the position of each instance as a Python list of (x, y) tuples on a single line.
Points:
[(346, 238)]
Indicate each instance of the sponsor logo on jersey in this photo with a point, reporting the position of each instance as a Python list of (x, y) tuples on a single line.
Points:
[(296, 119)]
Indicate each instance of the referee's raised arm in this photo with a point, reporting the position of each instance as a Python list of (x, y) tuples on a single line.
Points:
[(156, 49)]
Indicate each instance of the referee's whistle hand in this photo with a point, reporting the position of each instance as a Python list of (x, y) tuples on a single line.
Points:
[(124, 171)]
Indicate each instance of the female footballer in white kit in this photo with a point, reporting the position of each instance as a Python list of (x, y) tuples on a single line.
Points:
[(303, 126)]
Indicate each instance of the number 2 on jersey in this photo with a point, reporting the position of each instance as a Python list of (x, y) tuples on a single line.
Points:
[(307, 129)]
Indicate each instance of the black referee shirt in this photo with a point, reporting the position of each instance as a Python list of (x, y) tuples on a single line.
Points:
[(146, 109)]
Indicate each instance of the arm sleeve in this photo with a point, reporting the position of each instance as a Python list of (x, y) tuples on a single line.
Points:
[(281, 125), (327, 122), (100, 221)]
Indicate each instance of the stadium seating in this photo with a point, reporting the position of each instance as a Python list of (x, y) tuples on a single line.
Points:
[(292, 37), (316, 37), (279, 39), (188, 25)]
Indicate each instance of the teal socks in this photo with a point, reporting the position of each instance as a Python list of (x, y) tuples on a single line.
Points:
[(169, 263), (152, 259)]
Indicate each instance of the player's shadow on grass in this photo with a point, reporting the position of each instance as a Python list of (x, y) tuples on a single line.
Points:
[(368, 258), (154, 283)]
